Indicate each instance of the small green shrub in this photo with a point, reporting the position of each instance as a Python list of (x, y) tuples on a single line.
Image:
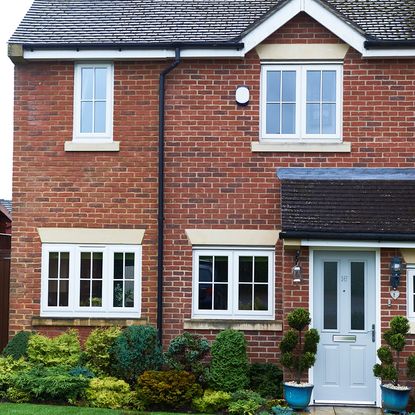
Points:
[(242, 407), (248, 395), (81, 371), (187, 352), (50, 383), (17, 396), (169, 389), (17, 346), (212, 401), (229, 366), (266, 379), (111, 393), (9, 368), (136, 350), (63, 350), (97, 348)]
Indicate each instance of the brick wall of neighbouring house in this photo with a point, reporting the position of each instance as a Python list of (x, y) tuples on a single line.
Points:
[(213, 180)]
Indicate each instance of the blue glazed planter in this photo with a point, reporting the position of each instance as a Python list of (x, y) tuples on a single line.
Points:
[(395, 400), (297, 397)]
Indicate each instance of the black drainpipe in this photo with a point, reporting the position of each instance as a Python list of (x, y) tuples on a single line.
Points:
[(160, 256)]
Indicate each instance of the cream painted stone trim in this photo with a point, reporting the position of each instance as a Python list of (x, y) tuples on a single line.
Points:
[(411, 327), (301, 51), (257, 146), (73, 146), (233, 237), (292, 243), (408, 255), (255, 325), (87, 322), (91, 236)]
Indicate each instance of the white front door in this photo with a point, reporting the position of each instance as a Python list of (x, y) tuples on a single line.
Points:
[(344, 291)]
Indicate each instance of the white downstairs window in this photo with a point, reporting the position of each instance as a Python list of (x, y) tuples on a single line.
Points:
[(91, 281), (301, 103), (410, 286), (233, 283)]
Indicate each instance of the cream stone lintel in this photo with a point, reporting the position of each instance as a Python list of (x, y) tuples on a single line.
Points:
[(411, 327), (91, 236), (87, 322), (292, 243), (257, 147), (233, 237), (261, 325), (408, 255), (73, 146), (302, 51)]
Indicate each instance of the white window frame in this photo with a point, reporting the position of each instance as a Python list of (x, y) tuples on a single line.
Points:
[(74, 309), (233, 313), (106, 136), (301, 94), (410, 272)]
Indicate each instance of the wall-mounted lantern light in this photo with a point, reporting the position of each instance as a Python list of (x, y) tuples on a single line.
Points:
[(396, 269), (296, 270)]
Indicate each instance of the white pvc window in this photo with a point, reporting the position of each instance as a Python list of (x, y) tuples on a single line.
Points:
[(301, 103), (91, 281), (233, 283), (410, 285), (93, 102)]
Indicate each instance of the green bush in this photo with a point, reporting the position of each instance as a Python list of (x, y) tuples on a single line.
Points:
[(187, 352), (266, 379), (17, 346), (169, 389), (229, 366), (50, 383), (248, 395), (111, 393), (136, 350), (212, 401), (9, 368), (63, 350), (97, 347), (245, 402), (17, 396)]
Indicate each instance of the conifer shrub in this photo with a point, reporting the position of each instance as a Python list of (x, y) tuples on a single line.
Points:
[(9, 368), (266, 379), (134, 351), (229, 365), (168, 389), (212, 401), (17, 346)]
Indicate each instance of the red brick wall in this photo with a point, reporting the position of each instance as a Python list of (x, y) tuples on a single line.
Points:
[(213, 180)]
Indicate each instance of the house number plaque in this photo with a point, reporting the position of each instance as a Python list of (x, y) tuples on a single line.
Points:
[(395, 294)]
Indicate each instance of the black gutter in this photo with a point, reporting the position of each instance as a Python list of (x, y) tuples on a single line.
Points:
[(389, 44), (367, 236), (160, 231)]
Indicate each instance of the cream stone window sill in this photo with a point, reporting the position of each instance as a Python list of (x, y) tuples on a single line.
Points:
[(254, 325), (86, 322), (301, 147), (74, 146)]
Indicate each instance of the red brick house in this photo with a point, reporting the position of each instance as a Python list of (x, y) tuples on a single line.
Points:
[(182, 163)]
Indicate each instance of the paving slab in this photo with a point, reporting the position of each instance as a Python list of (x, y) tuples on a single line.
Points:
[(330, 410)]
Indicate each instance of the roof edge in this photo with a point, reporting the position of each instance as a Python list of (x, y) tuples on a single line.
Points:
[(359, 236), (388, 44)]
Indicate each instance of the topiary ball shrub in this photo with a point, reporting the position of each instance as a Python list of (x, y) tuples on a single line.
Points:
[(266, 379), (229, 365), (188, 352), (134, 351), (169, 389), (17, 346), (212, 401)]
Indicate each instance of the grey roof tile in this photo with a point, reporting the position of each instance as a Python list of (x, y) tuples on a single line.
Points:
[(7, 204)]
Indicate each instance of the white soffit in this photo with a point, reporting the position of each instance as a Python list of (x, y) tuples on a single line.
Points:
[(232, 237), (91, 236)]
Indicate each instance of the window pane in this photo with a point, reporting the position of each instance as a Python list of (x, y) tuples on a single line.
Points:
[(221, 297), (313, 86), (413, 287), (97, 265), (288, 119), (245, 268), (329, 86), (118, 294), (84, 294), (357, 295), (330, 296), (86, 117), (288, 86), (53, 264), (260, 297), (205, 268), (313, 118), (87, 83), (118, 265), (63, 293), (205, 296), (52, 293), (85, 264), (64, 271), (273, 86), (129, 294), (245, 297), (273, 119), (221, 269), (100, 117), (100, 83), (129, 266), (329, 118), (96, 294), (261, 269)]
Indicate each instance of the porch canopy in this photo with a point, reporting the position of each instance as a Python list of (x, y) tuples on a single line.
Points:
[(348, 203)]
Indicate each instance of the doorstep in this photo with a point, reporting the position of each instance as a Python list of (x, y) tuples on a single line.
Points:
[(340, 410)]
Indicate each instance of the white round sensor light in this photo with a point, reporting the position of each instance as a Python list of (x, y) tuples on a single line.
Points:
[(242, 95)]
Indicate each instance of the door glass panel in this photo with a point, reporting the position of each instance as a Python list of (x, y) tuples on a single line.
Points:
[(357, 270), (330, 296)]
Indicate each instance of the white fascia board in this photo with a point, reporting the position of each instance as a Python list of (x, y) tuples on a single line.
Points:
[(389, 53), (356, 244)]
